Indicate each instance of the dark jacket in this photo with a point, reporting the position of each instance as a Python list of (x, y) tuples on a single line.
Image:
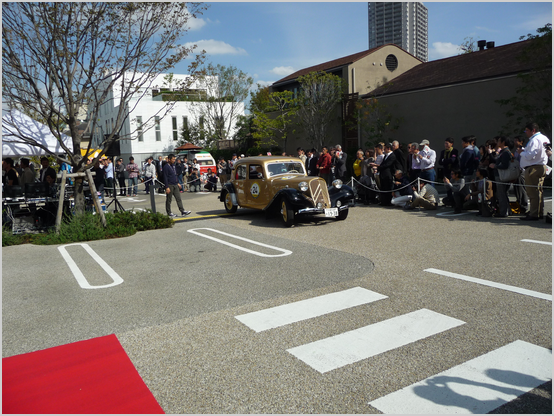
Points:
[(386, 171), (311, 166), (449, 161), (400, 160), (170, 176), (468, 163)]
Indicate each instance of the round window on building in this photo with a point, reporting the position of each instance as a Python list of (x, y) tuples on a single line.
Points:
[(391, 62)]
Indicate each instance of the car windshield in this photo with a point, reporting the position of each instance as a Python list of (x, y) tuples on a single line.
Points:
[(280, 168)]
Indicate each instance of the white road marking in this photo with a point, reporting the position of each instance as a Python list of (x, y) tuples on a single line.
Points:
[(80, 277), (548, 243), (282, 251), (492, 284), (307, 309), (476, 386), (352, 346)]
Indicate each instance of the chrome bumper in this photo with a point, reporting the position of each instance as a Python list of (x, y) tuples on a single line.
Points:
[(319, 210)]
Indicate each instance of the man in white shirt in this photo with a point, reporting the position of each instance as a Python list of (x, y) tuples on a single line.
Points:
[(427, 158), (533, 160)]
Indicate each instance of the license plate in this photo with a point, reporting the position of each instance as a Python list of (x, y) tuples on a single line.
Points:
[(331, 212)]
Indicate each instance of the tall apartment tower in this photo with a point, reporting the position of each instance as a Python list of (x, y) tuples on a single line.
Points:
[(404, 24)]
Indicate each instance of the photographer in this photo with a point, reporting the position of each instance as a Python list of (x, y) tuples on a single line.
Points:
[(222, 171)]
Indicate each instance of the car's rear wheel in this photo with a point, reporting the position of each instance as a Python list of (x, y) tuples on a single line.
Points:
[(229, 207), (287, 213), (343, 214)]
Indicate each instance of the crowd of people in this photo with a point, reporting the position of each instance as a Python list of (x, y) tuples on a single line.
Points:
[(475, 178)]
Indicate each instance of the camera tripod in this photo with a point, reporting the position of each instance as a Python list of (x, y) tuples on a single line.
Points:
[(117, 206)]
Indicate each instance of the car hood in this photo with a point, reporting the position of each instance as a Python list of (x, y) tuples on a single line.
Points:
[(291, 180)]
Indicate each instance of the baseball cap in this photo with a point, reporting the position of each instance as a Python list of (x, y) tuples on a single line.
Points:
[(424, 142)]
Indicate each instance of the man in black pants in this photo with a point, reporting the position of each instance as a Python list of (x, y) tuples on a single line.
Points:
[(172, 187), (120, 175)]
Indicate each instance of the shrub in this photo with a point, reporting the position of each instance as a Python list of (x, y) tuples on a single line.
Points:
[(88, 227)]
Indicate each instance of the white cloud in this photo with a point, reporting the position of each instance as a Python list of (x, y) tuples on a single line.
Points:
[(195, 24), (443, 50), (283, 70), (217, 47)]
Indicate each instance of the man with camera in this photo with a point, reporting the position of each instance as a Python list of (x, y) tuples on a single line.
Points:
[(533, 160)]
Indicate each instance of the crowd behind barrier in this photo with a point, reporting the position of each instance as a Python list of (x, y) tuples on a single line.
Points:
[(477, 178)]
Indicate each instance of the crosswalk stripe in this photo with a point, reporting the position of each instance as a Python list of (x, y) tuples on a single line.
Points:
[(476, 386), (548, 243), (352, 346), (307, 309), (489, 283)]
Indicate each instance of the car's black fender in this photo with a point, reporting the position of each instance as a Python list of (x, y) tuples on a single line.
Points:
[(292, 195), (227, 188), (344, 194)]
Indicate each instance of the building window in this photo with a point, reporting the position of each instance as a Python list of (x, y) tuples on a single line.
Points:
[(158, 131), (391, 62), (139, 129), (185, 122), (175, 129)]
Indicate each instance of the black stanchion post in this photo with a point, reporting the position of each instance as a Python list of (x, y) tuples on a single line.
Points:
[(152, 195)]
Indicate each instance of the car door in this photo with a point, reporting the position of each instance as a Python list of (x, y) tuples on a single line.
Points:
[(239, 183), (256, 187)]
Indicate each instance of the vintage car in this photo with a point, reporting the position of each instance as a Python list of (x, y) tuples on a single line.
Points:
[(280, 184)]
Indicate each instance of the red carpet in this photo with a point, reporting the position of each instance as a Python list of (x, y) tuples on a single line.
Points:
[(93, 376)]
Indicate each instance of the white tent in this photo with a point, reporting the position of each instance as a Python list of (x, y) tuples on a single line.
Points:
[(20, 134)]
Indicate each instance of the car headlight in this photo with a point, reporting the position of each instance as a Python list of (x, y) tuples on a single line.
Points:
[(337, 183), (303, 186)]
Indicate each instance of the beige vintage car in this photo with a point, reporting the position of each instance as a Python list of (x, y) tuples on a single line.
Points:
[(280, 184)]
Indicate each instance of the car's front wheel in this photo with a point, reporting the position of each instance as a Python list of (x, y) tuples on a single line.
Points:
[(228, 201), (287, 213), (343, 214)]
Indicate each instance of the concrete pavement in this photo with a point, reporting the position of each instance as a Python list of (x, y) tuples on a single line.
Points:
[(176, 311)]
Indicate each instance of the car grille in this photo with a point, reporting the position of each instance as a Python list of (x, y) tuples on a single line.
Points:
[(319, 194)]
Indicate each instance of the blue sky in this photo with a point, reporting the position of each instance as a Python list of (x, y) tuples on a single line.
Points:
[(270, 40)]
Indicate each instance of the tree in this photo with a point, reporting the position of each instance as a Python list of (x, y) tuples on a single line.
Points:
[(60, 57), (192, 133), (469, 45), (227, 88), (533, 98), (274, 115), (376, 120), (317, 100)]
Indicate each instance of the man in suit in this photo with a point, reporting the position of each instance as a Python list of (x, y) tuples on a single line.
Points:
[(400, 156), (46, 169), (311, 162), (386, 170)]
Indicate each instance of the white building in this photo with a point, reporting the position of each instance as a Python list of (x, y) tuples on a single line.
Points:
[(404, 24), (149, 129)]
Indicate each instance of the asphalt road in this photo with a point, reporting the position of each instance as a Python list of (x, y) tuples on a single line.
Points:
[(174, 298)]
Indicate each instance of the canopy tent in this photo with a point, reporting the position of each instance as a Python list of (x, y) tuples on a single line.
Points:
[(187, 148), (21, 134)]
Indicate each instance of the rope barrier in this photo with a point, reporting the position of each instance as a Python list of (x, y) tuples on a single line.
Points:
[(443, 184)]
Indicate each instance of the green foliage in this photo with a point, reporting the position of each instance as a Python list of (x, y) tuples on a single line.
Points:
[(88, 227), (320, 92), (274, 115), (193, 133), (376, 120), (533, 98)]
